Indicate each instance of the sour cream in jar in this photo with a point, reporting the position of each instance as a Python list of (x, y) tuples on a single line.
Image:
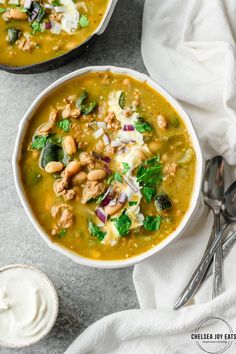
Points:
[(28, 305)]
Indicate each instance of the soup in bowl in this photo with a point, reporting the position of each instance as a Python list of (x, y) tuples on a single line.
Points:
[(108, 166), (34, 32)]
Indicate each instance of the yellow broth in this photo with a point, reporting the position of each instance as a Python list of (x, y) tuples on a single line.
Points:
[(173, 145), (35, 43)]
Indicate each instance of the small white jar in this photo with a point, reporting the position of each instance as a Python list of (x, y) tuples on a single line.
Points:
[(28, 305)]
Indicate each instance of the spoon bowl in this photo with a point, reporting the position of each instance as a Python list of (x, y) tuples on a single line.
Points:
[(229, 204)]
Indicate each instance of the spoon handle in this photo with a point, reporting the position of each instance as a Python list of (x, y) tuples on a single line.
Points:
[(198, 275), (227, 247), (218, 286)]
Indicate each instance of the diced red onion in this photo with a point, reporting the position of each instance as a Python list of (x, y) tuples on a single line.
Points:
[(113, 202), (47, 25), (106, 139), (107, 197), (98, 133), (33, 15), (106, 201), (122, 198), (131, 184), (128, 128), (48, 6), (101, 125), (122, 150), (27, 4), (116, 143), (59, 9), (101, 215), (125, 141), (106, 159), (56, 28)]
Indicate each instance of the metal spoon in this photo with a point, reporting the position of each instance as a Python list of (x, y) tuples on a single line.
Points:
[(229, 213), (213, 191)]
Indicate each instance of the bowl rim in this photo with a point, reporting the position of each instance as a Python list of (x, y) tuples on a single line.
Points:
[(55, 299), (97, 32), (198, 173)]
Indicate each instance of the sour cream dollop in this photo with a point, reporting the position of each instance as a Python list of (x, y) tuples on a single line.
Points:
[(28, 305)]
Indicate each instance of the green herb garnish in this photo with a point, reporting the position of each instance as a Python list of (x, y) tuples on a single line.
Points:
[(122, 100), (83, 21), (126, 167), (152, 223), (64, 124), (36, 27), (115, 177), (95, 230), (133, 203), (2, 10), (142, 126), (122, 224), (39, 142), (61, 233), (149, 193), (150, 172), (56, 3)]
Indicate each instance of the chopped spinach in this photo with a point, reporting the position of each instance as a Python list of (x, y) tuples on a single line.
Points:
[(122, 100), (33, 177), (142, 126), (88, 109), (52, 152), (13, 34), (39, 142), (149, 193), (163, 202), (83, 21), (174, 122), (64, 124), (85, 109), (122, 224), (95, 230), (152, 223), (126, 167)]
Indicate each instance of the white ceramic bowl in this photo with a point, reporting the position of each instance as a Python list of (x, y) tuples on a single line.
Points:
[(54, 299), (198, 176)]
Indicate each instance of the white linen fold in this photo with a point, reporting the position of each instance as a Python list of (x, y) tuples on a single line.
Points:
[(189, 48)]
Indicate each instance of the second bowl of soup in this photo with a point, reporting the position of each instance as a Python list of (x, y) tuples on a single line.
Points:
[(108, 166)]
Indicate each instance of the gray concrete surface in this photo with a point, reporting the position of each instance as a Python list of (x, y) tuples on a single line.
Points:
[(86, 295)]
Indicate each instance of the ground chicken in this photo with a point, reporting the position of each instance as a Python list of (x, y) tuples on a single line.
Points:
[(26, 44), (170, 169), (92, 190), (87, 159), (112, 122), (63, 215), (162, 122)]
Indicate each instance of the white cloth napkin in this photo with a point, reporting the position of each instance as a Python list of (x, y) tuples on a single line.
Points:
[(189, 48)]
